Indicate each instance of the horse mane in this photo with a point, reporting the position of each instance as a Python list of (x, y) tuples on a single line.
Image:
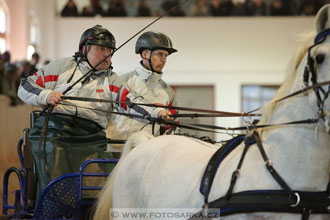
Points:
[(291, 72)]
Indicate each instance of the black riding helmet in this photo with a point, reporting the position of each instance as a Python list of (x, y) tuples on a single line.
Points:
[(97, 35), (153, 40)]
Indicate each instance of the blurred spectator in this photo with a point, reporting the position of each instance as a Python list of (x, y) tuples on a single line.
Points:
[(215, 9), (6, 57), (34, 63), (308, 8), (282, 7), (239, 8), (70, 9), (221, 7), (290, 7), (93, 9), (226, 7), (260, 8), (196, 7), (169, 4), (199, 9), (143, 9), (157, 13), (250, 7), (116, 9), (10, 83), (2, 73), (24, 68), (276, 8)]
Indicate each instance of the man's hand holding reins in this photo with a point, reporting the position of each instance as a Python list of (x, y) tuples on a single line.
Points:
[(54, 97), (165, 115)]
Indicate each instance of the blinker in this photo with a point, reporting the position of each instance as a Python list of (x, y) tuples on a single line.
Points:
[(321, 36)]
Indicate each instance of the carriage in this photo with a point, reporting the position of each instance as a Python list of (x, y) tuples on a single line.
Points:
[(64, 198)]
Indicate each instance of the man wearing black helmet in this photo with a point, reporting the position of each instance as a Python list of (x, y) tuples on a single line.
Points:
[(76, 129), (146, 80)]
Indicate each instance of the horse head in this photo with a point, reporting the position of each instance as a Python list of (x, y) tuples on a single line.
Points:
[(317, 68)]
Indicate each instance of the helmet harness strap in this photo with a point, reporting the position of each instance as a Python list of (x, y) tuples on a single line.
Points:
[(150, 63)]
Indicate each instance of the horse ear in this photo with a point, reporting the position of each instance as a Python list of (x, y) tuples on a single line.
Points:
[(322, 19)]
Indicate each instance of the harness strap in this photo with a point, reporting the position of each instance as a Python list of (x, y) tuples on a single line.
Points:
[(214, 163), (271, 169), (266, 201), (248, 142), (306, 213)]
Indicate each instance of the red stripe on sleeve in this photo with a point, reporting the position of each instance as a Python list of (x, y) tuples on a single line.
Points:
[(173, 111), (51, 78), (114, 88), (123, 98), (40, 82)]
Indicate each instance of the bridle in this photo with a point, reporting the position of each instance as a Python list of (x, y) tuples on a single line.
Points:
[(310, 72)]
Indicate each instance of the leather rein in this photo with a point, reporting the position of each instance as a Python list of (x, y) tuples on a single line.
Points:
[(207, 113)]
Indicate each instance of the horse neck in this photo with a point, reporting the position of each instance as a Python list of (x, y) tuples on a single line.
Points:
[(303, 147), (296, 108)]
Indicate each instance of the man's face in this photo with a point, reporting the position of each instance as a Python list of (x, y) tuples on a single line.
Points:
[(158, 59), (97, 53)]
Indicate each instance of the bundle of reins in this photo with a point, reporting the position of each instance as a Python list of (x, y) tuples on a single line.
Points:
[(208, 113)]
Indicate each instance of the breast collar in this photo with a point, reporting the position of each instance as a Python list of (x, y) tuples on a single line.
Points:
[(147, 75)]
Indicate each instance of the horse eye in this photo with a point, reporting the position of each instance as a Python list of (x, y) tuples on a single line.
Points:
[(320, 58)]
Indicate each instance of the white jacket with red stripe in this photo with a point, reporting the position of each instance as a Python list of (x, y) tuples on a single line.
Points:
[(150, 86), (103, 84)]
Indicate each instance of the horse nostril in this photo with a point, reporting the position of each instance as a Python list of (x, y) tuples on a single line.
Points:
[(320, 58)]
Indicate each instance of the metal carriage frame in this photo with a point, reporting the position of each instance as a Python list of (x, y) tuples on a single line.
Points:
[(62, 198)]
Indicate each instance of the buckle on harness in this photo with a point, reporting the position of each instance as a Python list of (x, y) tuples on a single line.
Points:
[(268, 163), (298, 200), (205, 209)]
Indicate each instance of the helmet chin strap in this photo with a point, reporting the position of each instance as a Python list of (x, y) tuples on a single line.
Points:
[(150, 63), (84, 57)]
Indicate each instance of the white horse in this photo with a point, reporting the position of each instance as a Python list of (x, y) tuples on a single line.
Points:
[(166, 172)]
